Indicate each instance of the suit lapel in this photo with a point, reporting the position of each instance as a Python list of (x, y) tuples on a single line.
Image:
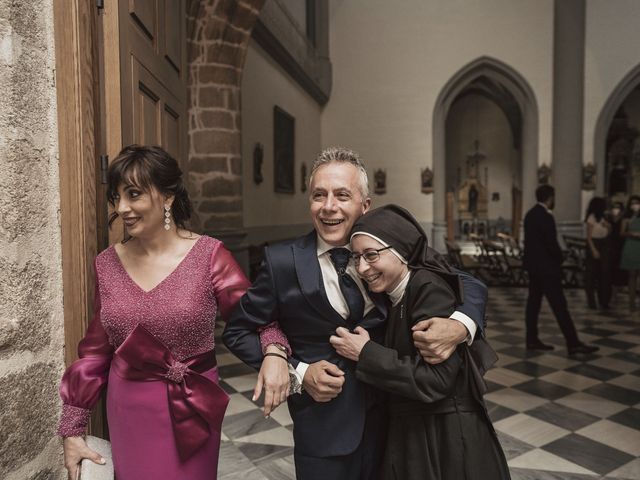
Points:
[(305, 258)]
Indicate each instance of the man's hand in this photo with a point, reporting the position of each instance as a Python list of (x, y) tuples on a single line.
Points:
[(323, 381), (349, 345), (437, 338), (274, 378)]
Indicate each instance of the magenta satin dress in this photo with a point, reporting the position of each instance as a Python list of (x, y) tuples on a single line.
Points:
[(154, 349)]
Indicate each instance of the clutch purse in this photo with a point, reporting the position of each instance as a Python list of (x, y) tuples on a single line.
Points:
[(93, 471)]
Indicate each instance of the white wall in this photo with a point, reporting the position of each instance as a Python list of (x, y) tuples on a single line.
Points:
[(611, 44), (392, 59), (264, 85)]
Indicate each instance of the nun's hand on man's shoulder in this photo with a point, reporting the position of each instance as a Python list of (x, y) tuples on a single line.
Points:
[(436, 338)]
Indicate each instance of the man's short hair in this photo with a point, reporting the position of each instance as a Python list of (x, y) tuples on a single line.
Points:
[(342, 155), (544, 193)]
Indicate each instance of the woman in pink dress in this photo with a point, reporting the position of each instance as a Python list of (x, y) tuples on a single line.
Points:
[(152, 335)]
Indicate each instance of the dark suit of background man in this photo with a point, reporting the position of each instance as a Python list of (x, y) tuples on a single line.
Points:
[(339, 422), (543, 260)]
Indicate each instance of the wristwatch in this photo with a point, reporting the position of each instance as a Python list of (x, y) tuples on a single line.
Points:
[(294, 385)]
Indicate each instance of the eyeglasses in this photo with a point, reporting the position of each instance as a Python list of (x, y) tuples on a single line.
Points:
[(370, 256)]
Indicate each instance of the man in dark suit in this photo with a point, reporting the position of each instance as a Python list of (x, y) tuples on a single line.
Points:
[(309, 286), (543, 260)]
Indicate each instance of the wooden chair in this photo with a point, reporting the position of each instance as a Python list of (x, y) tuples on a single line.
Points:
[(462, 261), (511, 245)]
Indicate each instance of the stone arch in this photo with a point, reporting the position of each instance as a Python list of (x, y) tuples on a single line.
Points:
[(516, 84), (218, 32), (630, 82)]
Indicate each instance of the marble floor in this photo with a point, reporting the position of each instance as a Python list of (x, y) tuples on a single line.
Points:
[(557, 417)]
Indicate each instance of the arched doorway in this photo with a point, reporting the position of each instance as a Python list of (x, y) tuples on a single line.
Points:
[(492, 86), (617, 140)]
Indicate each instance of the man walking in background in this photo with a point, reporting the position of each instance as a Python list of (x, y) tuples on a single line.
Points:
[(543, 260)]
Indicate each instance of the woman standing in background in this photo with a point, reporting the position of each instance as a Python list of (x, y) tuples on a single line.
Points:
[(616, 242), (598, 265), (630, 258)]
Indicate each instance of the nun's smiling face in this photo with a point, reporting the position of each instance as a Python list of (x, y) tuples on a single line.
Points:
[(383, 274)]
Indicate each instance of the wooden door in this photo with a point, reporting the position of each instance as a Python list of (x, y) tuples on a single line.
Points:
[(142, 95), (145, 41)]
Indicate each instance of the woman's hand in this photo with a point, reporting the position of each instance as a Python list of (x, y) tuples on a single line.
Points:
[(595, 253), (75, 449), (349, 345), (274, 378)]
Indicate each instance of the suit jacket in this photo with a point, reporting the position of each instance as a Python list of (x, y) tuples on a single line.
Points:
[(289, 288), (542, 252)]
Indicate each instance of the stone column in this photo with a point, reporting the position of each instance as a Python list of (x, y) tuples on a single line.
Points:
[(31, 307), (217, 46), (568, 106)]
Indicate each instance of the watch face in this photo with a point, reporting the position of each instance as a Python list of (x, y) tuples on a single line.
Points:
[(294, 385)]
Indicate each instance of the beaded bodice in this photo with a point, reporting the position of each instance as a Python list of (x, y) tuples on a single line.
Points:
[(180, 310)]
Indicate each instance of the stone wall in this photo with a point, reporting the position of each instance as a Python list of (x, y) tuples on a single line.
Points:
[(31, 315), (219, 31)]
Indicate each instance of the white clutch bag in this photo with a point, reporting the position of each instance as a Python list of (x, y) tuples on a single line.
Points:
[(93, 471)]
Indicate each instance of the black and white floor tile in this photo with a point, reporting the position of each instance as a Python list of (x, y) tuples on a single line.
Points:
[(558, 417)]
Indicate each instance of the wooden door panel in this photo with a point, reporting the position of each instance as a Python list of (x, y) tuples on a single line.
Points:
[(158, 114), (153, 73), (171, 132), (144, 14), (173, 33)]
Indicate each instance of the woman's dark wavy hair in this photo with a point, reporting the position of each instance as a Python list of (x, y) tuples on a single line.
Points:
[(146, 167), (629, 213), (597, 207)]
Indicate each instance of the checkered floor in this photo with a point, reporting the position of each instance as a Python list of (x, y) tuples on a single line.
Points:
[(557, 417)]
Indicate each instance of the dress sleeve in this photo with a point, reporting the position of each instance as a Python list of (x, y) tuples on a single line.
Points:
[(83, 381), (229, 284), (409, 375)]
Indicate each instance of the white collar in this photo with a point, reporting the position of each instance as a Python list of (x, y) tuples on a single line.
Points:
[(323, 247), (545, 207), (397, 293)]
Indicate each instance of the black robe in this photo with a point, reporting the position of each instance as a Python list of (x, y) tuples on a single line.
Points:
[(439, 428)]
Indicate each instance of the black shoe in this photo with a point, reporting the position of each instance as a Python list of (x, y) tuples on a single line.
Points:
[(539, 346), (582, 349)]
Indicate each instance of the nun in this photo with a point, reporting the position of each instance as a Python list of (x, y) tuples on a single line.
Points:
[(439, 428)]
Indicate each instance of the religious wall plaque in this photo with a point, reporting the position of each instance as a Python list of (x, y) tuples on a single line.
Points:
[(589, 177), (258, 155), (283, 151), (426, 180), (303, 177), (544, 172), (380, 182)]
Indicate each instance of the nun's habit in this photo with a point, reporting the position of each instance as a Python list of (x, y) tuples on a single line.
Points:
[(439, 428)]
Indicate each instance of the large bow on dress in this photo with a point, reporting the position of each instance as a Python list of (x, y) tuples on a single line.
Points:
[(196, 404)]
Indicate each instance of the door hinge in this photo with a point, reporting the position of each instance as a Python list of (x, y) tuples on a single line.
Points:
[(104, 165), (100, 4)]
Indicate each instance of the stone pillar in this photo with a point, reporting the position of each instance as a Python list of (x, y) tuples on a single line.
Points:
[(568, 106), (31, 311), (217, 46)]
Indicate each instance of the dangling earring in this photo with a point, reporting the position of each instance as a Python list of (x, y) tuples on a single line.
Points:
[(167, 217)]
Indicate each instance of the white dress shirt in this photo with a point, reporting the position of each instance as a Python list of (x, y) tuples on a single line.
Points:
[(339, 304)]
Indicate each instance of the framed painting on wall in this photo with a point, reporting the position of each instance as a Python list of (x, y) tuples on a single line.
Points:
[(283, 151)]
